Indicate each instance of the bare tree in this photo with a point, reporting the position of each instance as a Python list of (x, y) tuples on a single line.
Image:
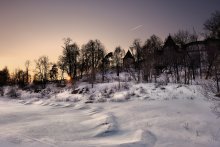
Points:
[(212, 25), (212, 55), (84, 64), (183, 37), (173, 57), (4, 76), (42, 70), (191, 59), (19, 78), (62, 66), (152, 56), (27, 65), (105, 65), (95, 52), (136, 47), (118, 58), (70, 58), (53, 73)]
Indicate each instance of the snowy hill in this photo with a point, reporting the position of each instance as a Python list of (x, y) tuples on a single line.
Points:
[(134, 115)]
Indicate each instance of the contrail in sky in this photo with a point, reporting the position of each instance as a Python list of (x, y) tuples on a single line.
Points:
[(137, 27)]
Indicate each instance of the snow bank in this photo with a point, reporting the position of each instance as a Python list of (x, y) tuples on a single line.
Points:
[(115, 92), (133, 115)]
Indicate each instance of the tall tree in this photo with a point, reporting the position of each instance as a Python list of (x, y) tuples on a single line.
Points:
[(42, 70), (70, 57), (62, 66), (53, 73), (105, 65), (94, 53), (173, 57), (190, 60), (212, 55), (136, 47), (151, 55), (84, 64), (4, 76), (212, 25), (19, 78), (27, 65), (183, 37), (118, 55)]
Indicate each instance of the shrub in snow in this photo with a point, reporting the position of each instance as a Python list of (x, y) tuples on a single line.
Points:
[(125, 86), (215, 135), (162, 88), (120, 96), (159, 84), (73, 99), (45, 93), (186, 126), (80, 90), (163, 79), (101, 100), (1, 91), (65, 95), (75, 91), (108, 93), (217, 95), (92, 97), (28, 94), (61, 84), (13, 93)]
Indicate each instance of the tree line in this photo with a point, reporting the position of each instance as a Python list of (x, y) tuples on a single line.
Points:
[(181, 56)]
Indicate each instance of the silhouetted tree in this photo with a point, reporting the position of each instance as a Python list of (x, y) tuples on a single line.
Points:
[(53, 73), (212, 25), (85, 62), (62, 66), (183, 37), (70, 58), (118, 58), (4, 76), (105, 64), (28, 76), (19, 78), (152, 50), (42, 70), (190, 59), (173, 57), (94, 53), (82, 62), (213, 53), (137, 49)]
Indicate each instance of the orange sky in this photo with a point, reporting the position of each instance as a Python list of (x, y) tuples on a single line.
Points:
[(32, 28)]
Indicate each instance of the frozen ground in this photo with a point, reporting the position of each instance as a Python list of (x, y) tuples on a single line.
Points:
[(143, 115)]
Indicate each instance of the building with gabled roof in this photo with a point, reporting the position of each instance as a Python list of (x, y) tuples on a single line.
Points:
[(128, 60)]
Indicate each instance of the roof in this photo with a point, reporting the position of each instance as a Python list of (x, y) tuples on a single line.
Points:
[(170, 43), (128, 55)]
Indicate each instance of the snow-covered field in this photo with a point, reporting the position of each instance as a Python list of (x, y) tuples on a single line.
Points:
[(137, 115)]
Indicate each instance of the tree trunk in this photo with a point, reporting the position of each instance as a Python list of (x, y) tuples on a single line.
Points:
[(216, 76), (209, 70)]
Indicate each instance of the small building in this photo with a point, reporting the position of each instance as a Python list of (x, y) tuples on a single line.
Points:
[(128, 60), (172, 52)]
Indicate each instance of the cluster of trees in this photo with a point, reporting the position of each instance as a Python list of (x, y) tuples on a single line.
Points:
[(18, 77), (74, 63), (4, 76), (180, 53)]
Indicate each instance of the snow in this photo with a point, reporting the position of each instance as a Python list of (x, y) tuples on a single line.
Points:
[(134, 115)]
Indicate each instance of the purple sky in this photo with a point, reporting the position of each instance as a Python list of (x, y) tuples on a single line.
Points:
[(31, 28)]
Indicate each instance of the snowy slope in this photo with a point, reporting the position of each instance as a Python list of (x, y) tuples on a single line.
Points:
[(113, 92), (136, 115)]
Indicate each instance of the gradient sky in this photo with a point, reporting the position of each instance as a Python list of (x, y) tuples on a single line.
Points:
[(32, 28)]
